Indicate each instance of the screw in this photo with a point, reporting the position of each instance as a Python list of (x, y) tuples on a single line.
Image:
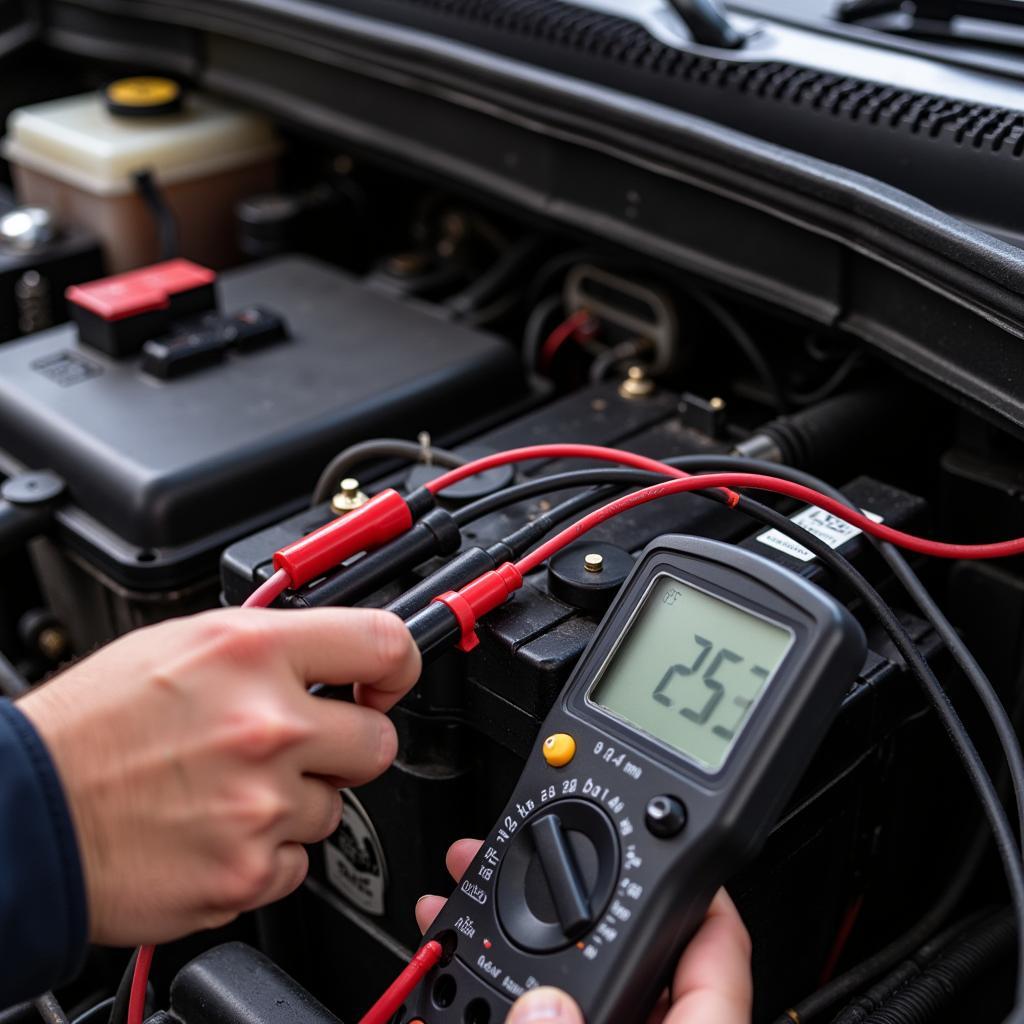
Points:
[(593, 562), (718, 404)]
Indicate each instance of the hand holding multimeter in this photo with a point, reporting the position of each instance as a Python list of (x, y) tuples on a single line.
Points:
[(712, 981), (663, 765)]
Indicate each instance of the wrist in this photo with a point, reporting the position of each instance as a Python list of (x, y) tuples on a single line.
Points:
[(54, 723)]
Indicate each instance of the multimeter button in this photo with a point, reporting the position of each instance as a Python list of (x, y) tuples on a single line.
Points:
[(559, 749), (665, 817)]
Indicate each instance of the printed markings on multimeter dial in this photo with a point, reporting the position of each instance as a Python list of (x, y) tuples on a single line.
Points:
[(626, 898)]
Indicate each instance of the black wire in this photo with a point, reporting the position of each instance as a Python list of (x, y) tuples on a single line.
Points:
[(50, 1010), (744, 341), (974, 766), (372, 451), (550, 485), (119, 1008), (94, 1013), (163, 215), (505, 269)]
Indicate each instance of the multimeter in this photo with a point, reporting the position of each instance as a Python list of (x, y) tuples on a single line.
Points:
[(663, 765)]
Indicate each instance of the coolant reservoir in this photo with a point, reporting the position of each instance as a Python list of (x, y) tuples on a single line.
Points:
[(78, 156)]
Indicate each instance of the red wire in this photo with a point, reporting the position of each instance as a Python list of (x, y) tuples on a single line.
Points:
[(562, 334), (841, 940), (419, 966), (937, 549), (267, 593), (596, 452), (140, 979)]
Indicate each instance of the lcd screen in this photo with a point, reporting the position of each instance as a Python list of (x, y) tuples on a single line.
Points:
[(690, 669)]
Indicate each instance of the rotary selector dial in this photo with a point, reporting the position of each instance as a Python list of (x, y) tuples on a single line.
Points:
[(558, 876)]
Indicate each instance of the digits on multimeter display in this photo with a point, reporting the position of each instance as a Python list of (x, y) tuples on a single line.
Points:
[(690, 668)]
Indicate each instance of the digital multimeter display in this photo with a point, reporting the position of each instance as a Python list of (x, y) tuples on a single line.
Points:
[(690, 668)]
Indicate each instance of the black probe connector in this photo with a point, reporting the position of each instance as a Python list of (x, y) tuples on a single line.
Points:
[(433, 625), (435, 534)]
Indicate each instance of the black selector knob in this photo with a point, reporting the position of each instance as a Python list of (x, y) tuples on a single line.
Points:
[(558, 876)]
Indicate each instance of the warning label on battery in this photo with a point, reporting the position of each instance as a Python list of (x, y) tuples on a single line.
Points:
[(354, 858), (835, 532)]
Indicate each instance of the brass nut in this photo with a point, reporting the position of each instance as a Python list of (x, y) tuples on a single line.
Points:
[(637, 384), (348, 498), (594, 562)]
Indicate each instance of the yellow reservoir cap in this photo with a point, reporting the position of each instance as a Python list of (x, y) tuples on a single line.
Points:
[(559, 749), (144, 94)]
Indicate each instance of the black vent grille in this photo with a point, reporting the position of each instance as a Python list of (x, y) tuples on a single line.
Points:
[(607, 37)]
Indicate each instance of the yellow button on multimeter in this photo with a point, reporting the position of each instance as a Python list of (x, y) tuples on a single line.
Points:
[(559, 749)]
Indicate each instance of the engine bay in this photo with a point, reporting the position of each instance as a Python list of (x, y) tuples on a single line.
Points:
[(225, 332)]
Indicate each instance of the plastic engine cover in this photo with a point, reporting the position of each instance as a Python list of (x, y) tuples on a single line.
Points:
[(165, 463)]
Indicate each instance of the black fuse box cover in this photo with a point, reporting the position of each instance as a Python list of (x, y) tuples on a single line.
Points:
[(165, 463)]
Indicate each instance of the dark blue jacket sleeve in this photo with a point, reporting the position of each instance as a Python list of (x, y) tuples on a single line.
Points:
[(43, 927)]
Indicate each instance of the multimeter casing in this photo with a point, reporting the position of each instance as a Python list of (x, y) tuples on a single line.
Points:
[(649, 892)]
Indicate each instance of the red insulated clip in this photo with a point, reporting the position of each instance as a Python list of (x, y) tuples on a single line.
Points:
[(476, 599), (464, 615), (383, 517)]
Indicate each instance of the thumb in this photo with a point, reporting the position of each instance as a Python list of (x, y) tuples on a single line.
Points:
[(543, 1005)]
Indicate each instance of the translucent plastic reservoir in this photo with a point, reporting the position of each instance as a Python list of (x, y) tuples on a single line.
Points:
[(77, 158)]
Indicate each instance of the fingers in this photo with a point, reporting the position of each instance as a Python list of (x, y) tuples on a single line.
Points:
[(350, 743), (427, 909), (460, 856), (713, 979), (548, 1004), (290, 865), (346, 645), (315, 811)]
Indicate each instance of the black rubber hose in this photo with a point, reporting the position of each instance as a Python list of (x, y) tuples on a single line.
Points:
[(811, 435), (922, 992)]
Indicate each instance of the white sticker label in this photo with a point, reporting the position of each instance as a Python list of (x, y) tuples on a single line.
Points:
[(826, 527), (354, 858)]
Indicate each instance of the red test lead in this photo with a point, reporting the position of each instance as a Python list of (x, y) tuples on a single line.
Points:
[(419, 967)]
